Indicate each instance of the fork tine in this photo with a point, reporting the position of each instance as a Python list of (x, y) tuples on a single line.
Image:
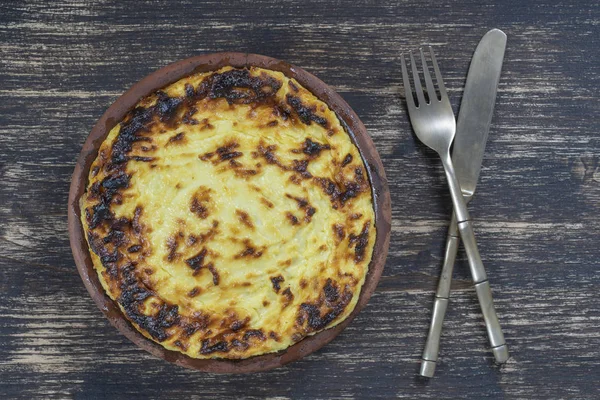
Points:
[(417, 80), (438, 75), (410, 101), (428, 82)]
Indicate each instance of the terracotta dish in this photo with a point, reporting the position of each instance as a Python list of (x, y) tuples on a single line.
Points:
[(158, 80)]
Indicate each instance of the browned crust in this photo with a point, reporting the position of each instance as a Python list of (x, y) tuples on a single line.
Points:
[(168, 75)]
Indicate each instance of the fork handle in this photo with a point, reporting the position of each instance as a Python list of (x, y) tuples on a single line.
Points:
[(482, 286), (432, 345)]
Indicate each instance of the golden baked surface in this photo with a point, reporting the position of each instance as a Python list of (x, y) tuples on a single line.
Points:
[(230, 215)]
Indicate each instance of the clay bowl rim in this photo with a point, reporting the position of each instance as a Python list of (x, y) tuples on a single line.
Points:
[(170, 74)]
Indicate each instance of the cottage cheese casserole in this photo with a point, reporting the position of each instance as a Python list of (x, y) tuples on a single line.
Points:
[(230, 215)]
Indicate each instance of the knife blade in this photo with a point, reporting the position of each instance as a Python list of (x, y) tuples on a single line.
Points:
[(477, 108), (472, 128)]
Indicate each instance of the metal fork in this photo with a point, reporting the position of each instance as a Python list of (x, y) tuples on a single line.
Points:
[(434, 124)]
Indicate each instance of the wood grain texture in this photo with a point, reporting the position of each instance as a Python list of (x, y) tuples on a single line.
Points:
[(537, 209)]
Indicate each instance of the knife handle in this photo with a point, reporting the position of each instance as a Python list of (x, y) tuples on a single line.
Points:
[(482, 286), (432, 345), (484, 292)]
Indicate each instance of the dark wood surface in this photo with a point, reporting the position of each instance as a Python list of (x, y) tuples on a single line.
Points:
[(537, 209)]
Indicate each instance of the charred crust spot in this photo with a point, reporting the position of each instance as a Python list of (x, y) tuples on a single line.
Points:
[(226, 152), (134, 249), (200, 201), (352, 190), (189, 90), (215, 274), (133, 295), (303, 283), (331, 189), (197, 263), (355, 216), (138, 120), (292, 218), (274, 336), (301, 166), (272, 123), (360, 242), (172, 245), (188, 116), (304, 205), (265, 303), (282, 112), (341, 194), (305, 114), (243, 173), (176, 138), (296, 337), (276, 282), (238, 344), (293, 87), (105, 191), (313, 149), (286, 263), (267, 152), (266, 202), (358, 175), (255, 333), (116, 237), (220, 347), (182, 346), (194, 292), (223, 153), (199, 322), (239, 324), (250, 250), (338, 229), (288, 295), (347, 160), (244, 218), (332, 292), (108, 257), (166, 107), (140, 158), (206, 125), (295, 179), (203, 237), (238, 86), (197, 208), (135, 222), (311, 315)]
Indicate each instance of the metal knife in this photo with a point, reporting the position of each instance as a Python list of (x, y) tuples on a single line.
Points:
[(472, 127)]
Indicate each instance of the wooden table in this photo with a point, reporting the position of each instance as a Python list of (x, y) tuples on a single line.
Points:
[(537, 210)]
